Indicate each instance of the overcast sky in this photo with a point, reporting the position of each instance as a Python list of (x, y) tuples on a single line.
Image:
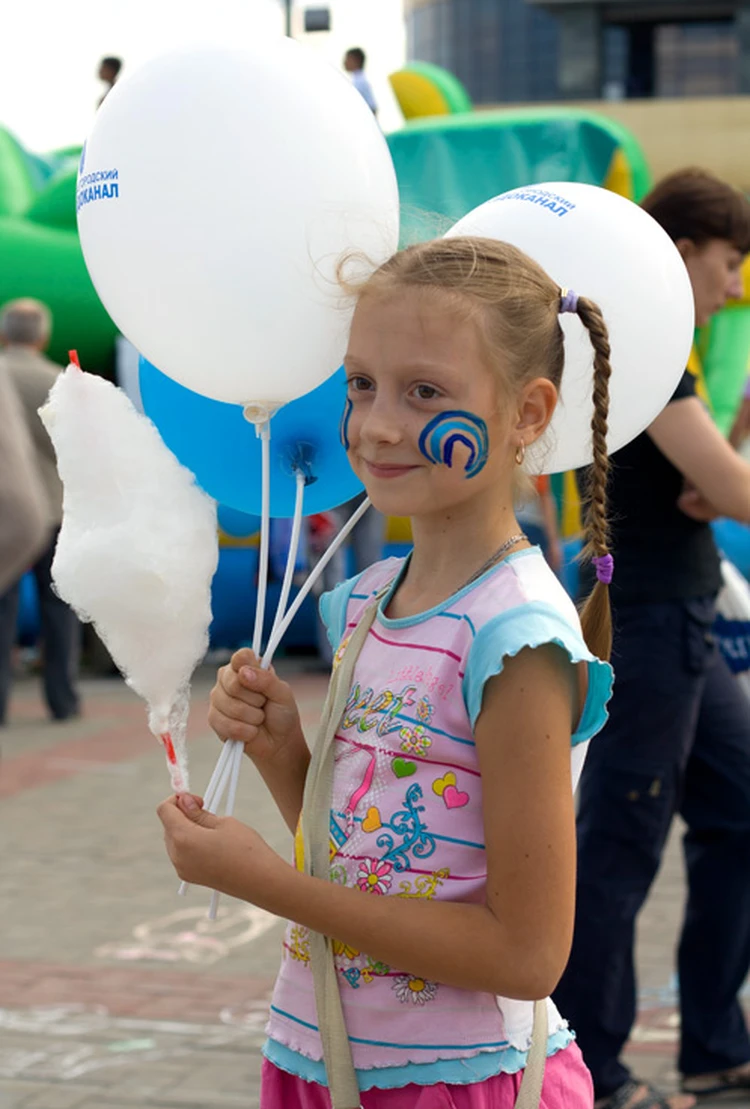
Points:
[(49, 50)]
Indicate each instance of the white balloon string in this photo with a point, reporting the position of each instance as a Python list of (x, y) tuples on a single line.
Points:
[(214, 792), (265, 526), (218, 783), (232, 776), (291, 560), (234, 764), (294, 607)]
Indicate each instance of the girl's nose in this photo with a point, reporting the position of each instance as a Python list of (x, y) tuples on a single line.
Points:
[(381, 424)]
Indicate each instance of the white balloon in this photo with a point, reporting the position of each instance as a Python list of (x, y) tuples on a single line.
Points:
[(217, 192), (608, 249)]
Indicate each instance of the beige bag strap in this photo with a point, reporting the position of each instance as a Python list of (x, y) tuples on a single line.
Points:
[(316, 813), (530, 1090)]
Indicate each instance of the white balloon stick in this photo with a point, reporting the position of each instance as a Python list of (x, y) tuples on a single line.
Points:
[(214, 790), (233, 750), (291, 561), (234, 764), (310, 582), (232, 777), (264, 431)]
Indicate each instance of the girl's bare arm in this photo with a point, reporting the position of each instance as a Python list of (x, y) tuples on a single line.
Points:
[(517, 942)]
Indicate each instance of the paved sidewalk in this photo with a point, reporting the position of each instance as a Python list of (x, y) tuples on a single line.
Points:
[(116, 993)]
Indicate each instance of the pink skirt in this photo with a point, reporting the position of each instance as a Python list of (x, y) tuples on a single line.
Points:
[(567, 1085)]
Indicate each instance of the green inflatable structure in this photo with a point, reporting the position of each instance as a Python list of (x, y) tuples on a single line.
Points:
[(42, 256), (446, 165)]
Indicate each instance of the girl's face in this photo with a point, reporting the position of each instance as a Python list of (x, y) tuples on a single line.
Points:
[(411, 361)]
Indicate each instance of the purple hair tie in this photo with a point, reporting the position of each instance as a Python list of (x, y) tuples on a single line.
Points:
[(568, 301), (605, 568)]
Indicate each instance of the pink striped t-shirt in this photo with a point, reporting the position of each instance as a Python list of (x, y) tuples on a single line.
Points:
[(407, 818)]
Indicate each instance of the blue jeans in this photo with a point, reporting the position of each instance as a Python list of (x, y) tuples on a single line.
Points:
[(678, 740)]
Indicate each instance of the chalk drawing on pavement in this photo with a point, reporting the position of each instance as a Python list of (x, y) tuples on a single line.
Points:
[(188, 936), (62, 1043)]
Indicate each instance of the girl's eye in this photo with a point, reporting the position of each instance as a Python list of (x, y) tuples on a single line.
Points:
[(426, 392), (358, 384)]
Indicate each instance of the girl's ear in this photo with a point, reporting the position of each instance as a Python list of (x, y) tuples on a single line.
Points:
[(535, 409)]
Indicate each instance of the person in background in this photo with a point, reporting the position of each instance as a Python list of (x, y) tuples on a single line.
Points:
[(354, 64), (109, 71), (25, 327), (678, 735), (23, 505), (538, 517)]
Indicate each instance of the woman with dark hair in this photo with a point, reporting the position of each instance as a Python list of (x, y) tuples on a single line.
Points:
[(678, 737)]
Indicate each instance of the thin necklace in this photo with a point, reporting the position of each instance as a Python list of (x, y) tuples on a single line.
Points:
[(494, 558)]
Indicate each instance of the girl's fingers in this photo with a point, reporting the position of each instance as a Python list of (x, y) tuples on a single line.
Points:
[(267, 683), (243, 657), (227, 727), (233, 709), (231, 683)]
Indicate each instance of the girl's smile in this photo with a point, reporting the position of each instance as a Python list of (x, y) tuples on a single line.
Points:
[(388, 470)]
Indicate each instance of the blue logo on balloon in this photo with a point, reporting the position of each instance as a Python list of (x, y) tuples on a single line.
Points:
[(216, 442), (440, 436)]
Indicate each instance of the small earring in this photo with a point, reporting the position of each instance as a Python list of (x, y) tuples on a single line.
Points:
[(520, 453)]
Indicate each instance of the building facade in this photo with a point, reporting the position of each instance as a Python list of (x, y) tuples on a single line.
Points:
[(531, 50), (502, 50)]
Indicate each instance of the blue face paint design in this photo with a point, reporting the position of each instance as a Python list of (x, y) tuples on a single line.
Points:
[(440, 435), (344, 425)]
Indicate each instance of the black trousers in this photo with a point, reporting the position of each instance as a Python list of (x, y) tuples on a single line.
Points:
[(678, 740), (60, 632)]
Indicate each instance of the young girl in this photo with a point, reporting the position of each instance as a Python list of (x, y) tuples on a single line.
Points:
[(435, 840)]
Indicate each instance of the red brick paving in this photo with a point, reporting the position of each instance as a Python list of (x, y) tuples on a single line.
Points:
[(112, 744), (151, 994)]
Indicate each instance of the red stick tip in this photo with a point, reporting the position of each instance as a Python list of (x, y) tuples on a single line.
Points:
[(73, 356), (166, 739)]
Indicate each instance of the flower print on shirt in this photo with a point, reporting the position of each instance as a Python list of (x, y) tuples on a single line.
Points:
[(418, 991), (415, 741), (414, 737), (374, 876)]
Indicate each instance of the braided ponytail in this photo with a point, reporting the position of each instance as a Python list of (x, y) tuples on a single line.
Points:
[(596, 617)]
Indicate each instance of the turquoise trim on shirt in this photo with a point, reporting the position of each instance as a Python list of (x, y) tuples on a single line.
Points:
[(438, 610), (534, 624), (333, 605), (454, 1072)]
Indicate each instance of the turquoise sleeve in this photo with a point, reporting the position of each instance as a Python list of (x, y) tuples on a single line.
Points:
[(534, 625), (332, 607)]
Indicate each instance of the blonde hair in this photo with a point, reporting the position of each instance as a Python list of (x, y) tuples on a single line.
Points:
[(516, 307)]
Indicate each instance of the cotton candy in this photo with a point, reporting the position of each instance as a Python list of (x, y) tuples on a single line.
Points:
[(137, 549)]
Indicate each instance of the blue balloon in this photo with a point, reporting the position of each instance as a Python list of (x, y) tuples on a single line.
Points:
[(236, 524), (215, 441)]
